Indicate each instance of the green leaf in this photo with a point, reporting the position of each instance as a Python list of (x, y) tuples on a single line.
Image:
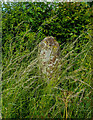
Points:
[(31, 20), (24, 7)]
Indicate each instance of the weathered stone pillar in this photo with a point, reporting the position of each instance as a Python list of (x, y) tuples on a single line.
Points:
[(48, 55)]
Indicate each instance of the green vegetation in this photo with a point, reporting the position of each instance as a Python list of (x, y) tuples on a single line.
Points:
[(25, 92)]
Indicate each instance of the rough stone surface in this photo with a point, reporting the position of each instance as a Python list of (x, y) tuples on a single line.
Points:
[(48, 54)]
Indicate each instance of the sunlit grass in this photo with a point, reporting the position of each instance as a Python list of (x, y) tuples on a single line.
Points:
[(26, 93)]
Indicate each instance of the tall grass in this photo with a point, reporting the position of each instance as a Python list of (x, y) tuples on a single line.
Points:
[(26, 93)]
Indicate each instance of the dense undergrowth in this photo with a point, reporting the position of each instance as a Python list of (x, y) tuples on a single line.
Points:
[(26, 94)]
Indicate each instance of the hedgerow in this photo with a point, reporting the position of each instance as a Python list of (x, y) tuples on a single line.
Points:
[(25, 94)]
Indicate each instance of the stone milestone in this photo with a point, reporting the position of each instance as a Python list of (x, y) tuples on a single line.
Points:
[(48, 55)]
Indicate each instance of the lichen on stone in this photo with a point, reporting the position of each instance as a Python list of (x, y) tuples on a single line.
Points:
[(48, 55)]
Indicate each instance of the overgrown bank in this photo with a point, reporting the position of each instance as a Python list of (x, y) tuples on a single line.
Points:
[(25, 93)]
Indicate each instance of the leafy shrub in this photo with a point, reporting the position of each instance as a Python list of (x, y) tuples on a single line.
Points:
[(25, 93)]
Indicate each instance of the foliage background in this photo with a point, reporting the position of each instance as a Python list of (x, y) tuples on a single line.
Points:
[(24, 25)]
